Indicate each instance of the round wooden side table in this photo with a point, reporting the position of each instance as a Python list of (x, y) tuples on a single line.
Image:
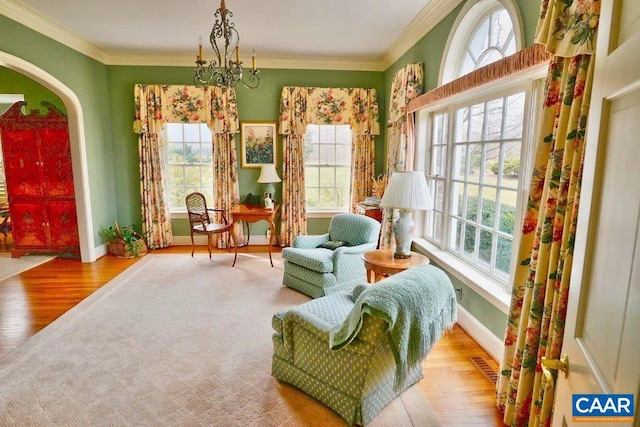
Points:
[(381, 263)]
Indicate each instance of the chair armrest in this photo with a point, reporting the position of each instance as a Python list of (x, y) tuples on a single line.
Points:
[(360, 249), (310, 242), (222, 212)]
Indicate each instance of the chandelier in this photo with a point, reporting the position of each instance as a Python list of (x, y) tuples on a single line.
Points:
[(226, 68)]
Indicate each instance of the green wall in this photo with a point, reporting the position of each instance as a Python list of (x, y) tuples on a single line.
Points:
[(260, 104), (87, 78), (34, 93)]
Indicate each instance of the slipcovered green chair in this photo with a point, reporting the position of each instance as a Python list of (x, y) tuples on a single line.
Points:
[(338, 266), (356, 351)]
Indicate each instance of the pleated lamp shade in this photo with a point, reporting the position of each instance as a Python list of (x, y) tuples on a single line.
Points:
[(407, 190)]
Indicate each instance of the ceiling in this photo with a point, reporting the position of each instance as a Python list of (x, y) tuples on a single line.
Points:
[(337, 34)]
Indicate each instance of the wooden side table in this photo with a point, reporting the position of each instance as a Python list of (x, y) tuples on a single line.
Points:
[(374, 212), (251, 214), (380, 263)]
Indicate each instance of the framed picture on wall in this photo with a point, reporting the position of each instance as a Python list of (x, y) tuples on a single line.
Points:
[(258, 143)]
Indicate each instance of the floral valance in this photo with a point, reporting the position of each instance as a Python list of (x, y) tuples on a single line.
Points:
[(356, 107), (568, 27), (156, 105), (408, 83)]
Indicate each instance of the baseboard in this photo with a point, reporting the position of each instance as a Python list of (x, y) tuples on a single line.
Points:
[(101, 250), (202, 240), (480, 333)]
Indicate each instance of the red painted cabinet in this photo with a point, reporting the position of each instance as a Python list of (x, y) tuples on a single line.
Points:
[(37, 158)]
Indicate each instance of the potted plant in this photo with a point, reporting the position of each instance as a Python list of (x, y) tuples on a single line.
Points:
[(125, 242)]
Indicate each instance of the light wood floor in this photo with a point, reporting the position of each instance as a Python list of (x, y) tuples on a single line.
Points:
[(458, 392)]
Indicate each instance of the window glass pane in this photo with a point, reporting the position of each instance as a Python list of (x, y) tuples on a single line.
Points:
[(207, 153), (460, 162), (192, 176), (327, 197), (503, 256), (176, 197), (513, 116), (438, 227), (343, 177), (312, 134), (456, 226), (507, 212), (488, 206), (494, 119), (484, 249), (192, 153), (343, 155), (174, 132), (313, 197), (501, 27), (439, 160), (311, 174), (491, 163), (462, 125), (488, 57), (457, 195), (477, 121), (327, 135), (511, 167), (472, 202), (207, 176), (480, 39), (175, 175), (475, 161), (327, 154), (469, 239), (191, 132), (312, 154), (176, 153), (439, 197), (343, 135)]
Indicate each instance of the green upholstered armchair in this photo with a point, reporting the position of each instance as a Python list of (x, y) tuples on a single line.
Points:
[(356, 351), (319, 271)]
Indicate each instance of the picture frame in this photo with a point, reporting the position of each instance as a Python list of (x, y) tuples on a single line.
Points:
[(258, 143)]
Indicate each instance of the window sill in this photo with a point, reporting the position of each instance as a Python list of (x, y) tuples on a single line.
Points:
[(179, 215), (478, 282), (323, 214)]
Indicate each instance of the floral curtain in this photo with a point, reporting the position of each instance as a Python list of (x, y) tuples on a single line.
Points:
[(149, 120), (407, 84), (300, 106), (183, 104), (537, 314)]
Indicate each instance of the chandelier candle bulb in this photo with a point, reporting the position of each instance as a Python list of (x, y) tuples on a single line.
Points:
[(253, 60), (200, 49), (237, 54)]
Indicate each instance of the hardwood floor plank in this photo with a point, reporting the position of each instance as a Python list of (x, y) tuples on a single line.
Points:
[(458, 392)]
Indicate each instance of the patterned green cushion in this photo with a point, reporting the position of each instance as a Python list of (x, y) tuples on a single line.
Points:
[(316, 259), (333, 244)]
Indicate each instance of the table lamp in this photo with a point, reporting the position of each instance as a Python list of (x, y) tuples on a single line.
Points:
[(268, 175), (406, 191)]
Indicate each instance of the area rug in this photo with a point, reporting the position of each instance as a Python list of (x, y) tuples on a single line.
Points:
[(172, 341), (12, 266)]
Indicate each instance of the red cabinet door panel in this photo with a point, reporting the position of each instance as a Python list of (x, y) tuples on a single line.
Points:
[(21, 162), (55, 152), (63, 224), (28, 224)]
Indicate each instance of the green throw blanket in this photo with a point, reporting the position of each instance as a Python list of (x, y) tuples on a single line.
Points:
[(418, 304)]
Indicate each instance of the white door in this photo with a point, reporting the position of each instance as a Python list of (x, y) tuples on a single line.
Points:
[(602, 334)]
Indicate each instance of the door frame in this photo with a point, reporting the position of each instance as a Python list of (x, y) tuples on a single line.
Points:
[(78, 147)]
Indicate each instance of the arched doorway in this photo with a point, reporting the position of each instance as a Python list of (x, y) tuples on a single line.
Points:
[(78, 147)]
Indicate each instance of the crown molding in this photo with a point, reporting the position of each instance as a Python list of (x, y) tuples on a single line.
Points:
[(297, 63), (430, 16), (36, 21)]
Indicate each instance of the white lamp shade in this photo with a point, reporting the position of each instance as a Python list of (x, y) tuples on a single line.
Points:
[(268, 174), (407, 190)]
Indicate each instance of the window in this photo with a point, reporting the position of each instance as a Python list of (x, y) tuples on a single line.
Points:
[(482, 187), (492, 40), (327, 167), (476, 148), (189, 153)]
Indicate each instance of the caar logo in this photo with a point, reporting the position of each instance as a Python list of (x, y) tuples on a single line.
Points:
[(603, 407)]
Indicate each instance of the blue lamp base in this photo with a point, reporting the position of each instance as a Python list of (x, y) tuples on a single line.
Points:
[(403, 231)]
